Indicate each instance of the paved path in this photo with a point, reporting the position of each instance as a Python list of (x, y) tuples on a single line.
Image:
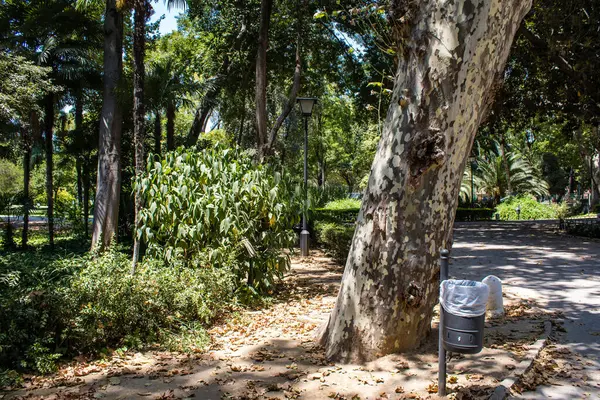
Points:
[(561, 272)]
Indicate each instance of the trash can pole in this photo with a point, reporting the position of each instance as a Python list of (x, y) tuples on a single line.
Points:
[(444, 256)]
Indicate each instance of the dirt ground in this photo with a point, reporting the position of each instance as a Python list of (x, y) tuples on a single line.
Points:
[(271, 354)]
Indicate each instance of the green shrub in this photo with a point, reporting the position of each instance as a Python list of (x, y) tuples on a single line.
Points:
[(343, 204), (338, 211), (318, 197), (474, 214), (530, 209), (51, 307), (591, 230), (336, 238), (216, 207), (112, 306)]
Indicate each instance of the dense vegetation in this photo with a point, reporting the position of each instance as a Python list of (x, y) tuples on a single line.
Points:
[(146, 191)]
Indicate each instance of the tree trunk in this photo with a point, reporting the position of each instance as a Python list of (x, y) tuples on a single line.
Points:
[(139, 53), (505, 163), (448, 60), (49, 133), (261, 78), (26, 178), (108, 187), (86, 197), (171, 127), (157, 132), (290, 103), (79, 131)]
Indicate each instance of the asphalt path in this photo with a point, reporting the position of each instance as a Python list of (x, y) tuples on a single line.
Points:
[(560, 272)]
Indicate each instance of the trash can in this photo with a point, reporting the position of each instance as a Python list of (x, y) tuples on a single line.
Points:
[(463, 305)]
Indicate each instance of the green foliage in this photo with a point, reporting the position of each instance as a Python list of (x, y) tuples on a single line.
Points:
[(23, 84), (53, 305), (114, 306), (340, 211), (343, 204), (336, 238), (215, 207), (318, 197), (474, 214), (11, 178), (531, 209), (590, 229)]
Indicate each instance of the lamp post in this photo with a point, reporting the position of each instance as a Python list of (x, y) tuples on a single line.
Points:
[(472, 161), (306, 106)]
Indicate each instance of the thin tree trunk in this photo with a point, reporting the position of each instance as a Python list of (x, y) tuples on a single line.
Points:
[(79, 131), (108, 187), (79, 181), (139, 53), (157, 132), (261, 78), (505, 163), (446, 67), (290, 103), (208, 103), (86, 197), (171, 127), (49, 133), (26, 178), (241, 131)]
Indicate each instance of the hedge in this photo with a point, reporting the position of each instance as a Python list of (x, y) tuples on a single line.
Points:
[(474, 214)]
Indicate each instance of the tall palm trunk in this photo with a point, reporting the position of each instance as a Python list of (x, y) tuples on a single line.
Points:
[(108, 187), (26, 178), (79, 131), (139, 52), (86, 196), (170, 127), (506, 165), (261, 77), (49, 128)]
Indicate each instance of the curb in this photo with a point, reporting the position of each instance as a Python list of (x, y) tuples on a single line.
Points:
[(503, 389)]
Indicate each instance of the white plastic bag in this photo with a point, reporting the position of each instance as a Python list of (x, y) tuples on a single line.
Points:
[(495, 305), (464, 298)]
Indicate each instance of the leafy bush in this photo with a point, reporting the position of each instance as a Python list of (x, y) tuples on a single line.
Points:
[(32, 306), (111, 305), (318, 197), (336, 238), (474, 214), (216, 207), (50, 307), (338, 211), (343, 204), (591, 230), (530, 209)]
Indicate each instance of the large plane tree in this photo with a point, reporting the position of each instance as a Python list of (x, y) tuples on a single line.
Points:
[(450, 55)]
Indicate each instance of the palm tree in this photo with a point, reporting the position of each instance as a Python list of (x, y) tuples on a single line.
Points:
[(491, 178), (168, 88)]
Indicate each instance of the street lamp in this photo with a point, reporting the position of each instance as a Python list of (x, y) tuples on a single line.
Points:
[(472, 161), (306, 106)]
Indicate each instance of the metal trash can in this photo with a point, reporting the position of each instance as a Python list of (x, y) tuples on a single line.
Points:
[(463, 304)]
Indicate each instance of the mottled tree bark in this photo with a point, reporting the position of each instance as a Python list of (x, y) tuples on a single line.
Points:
[(108, 187), (139, 113), (49, 142), (448, 58), (261, 77)]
